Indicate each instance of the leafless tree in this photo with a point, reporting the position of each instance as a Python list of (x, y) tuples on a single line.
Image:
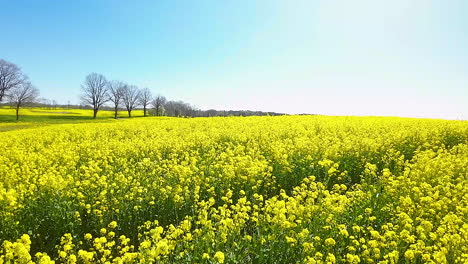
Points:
[(116, 90), (130, 98), (158, 104), (19, 95), (95, 91), (144, 99), (49, 104), (10, 77)]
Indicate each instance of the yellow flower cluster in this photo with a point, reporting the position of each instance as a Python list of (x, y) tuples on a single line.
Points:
[(288, 189)]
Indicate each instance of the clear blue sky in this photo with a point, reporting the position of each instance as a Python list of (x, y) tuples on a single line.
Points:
[(337, 57)]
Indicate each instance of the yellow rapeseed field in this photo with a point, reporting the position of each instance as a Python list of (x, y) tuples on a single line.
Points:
[(288, 189)]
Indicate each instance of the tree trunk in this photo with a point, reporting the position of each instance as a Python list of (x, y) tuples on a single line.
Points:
[(95, 113), (115, 113), (129, 113), (17, 112), (144, 110)]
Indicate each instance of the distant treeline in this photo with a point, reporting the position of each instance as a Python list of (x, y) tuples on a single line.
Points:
[(170, 108)]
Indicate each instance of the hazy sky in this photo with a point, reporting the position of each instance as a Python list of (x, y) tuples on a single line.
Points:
[(336, 57)]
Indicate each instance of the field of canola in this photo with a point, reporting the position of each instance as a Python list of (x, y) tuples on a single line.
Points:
[(290, 189)]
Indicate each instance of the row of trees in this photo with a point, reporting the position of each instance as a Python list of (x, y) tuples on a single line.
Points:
[(15, 86), (97, 92)]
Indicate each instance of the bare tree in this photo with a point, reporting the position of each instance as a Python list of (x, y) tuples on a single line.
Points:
[(116, 91), (158, 104), (144, 99), (95, 91), (130, 98), (10, 77), (19, 95)]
